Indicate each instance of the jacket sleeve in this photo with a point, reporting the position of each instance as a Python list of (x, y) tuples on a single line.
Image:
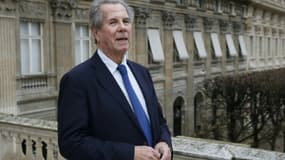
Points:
[(74, 138)]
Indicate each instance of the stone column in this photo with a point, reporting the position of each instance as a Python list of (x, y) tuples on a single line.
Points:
[(168, 19), (189, 110), (141, 46), (63, 11), (8, 56)]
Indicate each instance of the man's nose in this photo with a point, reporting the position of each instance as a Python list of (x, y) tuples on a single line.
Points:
[(122, 26)]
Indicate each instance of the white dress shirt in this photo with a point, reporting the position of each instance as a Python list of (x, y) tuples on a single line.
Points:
[(112, 67)]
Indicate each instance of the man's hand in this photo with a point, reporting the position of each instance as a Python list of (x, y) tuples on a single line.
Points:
[(164, 150), (146, 153)]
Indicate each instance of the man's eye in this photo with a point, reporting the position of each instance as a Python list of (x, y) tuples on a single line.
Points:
[(112, 22), (126, 21)]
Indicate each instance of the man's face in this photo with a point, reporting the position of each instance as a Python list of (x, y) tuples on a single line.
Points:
[(114, 36)]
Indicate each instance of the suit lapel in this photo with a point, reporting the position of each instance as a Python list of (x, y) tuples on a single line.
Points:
[(146, 93), (107, 81)]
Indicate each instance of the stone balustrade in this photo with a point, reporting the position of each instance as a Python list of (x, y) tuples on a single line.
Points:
[(28, 139), (33, 139)]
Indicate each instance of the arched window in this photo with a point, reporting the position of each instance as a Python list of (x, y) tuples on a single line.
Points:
[(198, 105), (177, 116)]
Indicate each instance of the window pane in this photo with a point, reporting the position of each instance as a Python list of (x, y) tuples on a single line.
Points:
[(242, 45), (155, 45), (200, 44), (77, 32), (35, 27), (231, 45), (85, 31), (216, 45), (25, 55), (24, 29), (180, 45), (77, 52), (36, 56), (85, 53)]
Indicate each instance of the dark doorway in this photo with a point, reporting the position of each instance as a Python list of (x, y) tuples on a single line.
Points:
[(177, 116)]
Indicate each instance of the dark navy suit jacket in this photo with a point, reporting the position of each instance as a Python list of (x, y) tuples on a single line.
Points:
[(95, 120)]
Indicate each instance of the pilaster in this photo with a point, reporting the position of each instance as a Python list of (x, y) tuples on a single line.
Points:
[(226, 28), (189, 111), (168, 20), (63, 14), (141, 15), (8, 57)]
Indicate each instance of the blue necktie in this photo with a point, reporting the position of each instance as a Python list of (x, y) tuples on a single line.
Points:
[(138, 109)]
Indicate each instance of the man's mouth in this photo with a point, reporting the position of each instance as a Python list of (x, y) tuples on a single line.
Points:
[(122, 39)]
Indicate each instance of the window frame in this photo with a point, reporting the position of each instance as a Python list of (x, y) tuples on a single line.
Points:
[(81, 40), (30, 37)]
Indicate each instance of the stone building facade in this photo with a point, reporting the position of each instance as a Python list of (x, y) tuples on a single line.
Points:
[(182, 42)]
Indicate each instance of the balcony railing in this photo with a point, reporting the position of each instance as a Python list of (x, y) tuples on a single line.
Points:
[(33, 139), (28, 139)]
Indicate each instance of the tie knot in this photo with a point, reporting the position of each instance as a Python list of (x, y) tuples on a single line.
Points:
[(122, 69)]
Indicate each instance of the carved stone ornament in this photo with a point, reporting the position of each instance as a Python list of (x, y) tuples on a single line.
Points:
[(226, 26), (193, 23), (267, 31), (211, 25), (82, 13), (63, 8), (7, 7), (238, 27), (258, 29), (32, 9), (141, 15), (168, 19)]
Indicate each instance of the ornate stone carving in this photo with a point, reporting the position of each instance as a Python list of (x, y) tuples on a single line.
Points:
[(258, 29), (141, 15), (168, 19), (63, 8), (7, 7), (238, 27), (226, 26), (267, 31), (32, 9), (211, 25), (193, 23), (82, 13), (274, 31)]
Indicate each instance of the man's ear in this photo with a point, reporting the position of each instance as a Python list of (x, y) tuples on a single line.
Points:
[(94, 32)]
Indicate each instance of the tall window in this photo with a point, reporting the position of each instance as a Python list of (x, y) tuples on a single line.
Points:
[(199, 4), (218, 6), (251, 42), (244, 11), (82, 43), (31, 47), (232, 8), (269, 47)]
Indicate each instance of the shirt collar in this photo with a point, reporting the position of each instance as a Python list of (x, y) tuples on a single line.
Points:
[(111, 65)]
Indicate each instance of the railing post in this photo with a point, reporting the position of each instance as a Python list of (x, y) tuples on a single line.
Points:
[(39, 153), (50, 148), (29, 151), (19, 155), (6, 140)]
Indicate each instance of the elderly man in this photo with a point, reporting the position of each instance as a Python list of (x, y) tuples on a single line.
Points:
[(107, 106)]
